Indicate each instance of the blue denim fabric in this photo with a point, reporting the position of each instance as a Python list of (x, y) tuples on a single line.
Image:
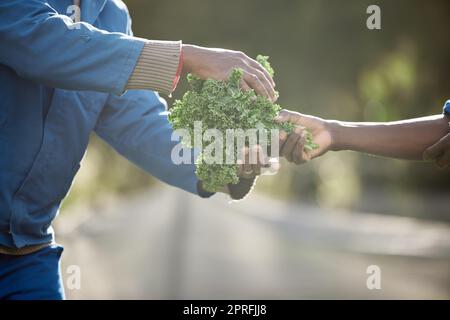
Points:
[(34, 276)]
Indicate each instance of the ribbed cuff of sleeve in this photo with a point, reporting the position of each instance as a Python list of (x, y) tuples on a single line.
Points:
[(157, 67)]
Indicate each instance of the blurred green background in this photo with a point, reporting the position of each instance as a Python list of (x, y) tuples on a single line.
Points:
[(327, 64)]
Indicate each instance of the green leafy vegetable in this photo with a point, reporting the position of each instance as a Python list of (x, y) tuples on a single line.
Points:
[(223, 105)]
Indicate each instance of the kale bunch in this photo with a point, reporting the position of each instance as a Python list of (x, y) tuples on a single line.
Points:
[(223, 105)]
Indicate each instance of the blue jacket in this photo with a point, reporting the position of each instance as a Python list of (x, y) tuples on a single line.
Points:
[(58, 83)]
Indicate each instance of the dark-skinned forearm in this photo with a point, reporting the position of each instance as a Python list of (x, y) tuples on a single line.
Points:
[(406, 139)]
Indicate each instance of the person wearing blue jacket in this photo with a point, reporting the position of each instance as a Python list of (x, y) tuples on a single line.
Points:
[(62, 79)]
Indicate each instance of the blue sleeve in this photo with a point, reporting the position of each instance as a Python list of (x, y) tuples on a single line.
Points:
[(136, 126), (447, 107), (41, 45)]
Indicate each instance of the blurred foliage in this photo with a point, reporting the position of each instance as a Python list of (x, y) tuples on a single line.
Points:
[(330, 65)]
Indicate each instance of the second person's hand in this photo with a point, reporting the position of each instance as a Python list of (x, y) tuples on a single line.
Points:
[(292, 146)]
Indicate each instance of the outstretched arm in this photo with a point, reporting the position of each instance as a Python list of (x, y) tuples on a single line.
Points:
[(42, 45), (406, 139)]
